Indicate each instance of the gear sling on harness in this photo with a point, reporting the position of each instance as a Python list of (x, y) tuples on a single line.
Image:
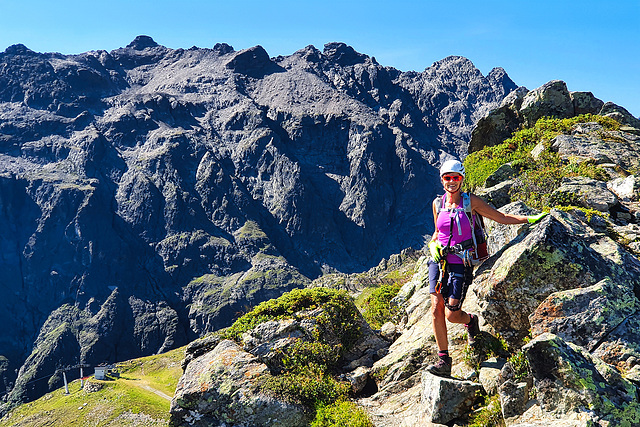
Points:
[(472, 251)]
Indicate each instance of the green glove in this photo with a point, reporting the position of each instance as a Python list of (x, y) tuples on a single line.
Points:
[(435, 247), (535, 218)]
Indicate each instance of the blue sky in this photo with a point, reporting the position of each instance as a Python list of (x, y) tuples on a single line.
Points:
[(591, 45)]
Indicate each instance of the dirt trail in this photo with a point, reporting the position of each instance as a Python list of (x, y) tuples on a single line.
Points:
[(158, 392)]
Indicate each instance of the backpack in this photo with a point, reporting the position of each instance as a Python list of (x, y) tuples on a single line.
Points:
[(472, 251)]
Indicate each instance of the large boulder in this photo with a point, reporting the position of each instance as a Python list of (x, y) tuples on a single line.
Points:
[(559, 253), (585, 103), (446, 399), (601, 318), (549, 100), (586, 192), (500, 123), (620, 114), (571, 383), (219, 388)]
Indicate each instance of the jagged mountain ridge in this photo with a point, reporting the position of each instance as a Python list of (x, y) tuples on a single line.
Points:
[(149, 193)]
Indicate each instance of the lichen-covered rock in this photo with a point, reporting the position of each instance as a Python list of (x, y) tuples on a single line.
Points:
[(568, 380), (549, 100), (446, 399), (588, 193), (592, 318), (602, 147), (559, 253), (585, 103), (220, 388), (627, 189)]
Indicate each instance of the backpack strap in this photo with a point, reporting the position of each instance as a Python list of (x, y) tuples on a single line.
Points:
[(439, 201)]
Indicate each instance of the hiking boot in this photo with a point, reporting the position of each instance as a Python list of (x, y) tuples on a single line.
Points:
[(473, 329), (442, 368)]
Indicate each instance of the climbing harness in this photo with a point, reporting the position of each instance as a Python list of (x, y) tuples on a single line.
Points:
[(472, 251)]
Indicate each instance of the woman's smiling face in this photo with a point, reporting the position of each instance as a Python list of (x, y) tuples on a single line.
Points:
[(452, 181)]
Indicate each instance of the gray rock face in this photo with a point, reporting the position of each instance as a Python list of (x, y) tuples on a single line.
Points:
[(601, 318), (198, 182), (604, 147), (589, 193), (560, 253), (569, 381), (447, 399), (218, 389)]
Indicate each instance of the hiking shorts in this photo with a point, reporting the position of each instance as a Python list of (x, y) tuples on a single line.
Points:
[(454, 285)]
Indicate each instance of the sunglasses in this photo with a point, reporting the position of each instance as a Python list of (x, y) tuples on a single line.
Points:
[(454, 178)]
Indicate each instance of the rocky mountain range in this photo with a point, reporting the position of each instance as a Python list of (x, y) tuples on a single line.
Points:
[(150, 195)]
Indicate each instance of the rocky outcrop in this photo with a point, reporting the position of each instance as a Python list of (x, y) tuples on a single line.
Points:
[(200, 182), (218, 389), (560, 253), (591, 142), (572, 287), (571, 281), (226, 382), (570, 383), (524, 108), (600, 318)]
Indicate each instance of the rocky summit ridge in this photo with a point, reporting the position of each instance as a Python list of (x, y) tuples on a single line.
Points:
[(150, 194)]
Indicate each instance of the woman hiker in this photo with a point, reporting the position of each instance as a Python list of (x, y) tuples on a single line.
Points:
[(453, 234)]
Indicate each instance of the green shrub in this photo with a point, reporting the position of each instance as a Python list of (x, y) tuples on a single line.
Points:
[(490, 415), (341, 414), (307, 367), (378, 309), (479, 165), (520, 365), (517, 149), (310, 385), (340, 313), (304, 353), (536, 184)]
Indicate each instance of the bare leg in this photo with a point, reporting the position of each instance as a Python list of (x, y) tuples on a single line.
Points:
[(443, 366), (457, 316), (439, 322)]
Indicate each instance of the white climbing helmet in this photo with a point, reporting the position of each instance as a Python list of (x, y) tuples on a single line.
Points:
[(452, 166)]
